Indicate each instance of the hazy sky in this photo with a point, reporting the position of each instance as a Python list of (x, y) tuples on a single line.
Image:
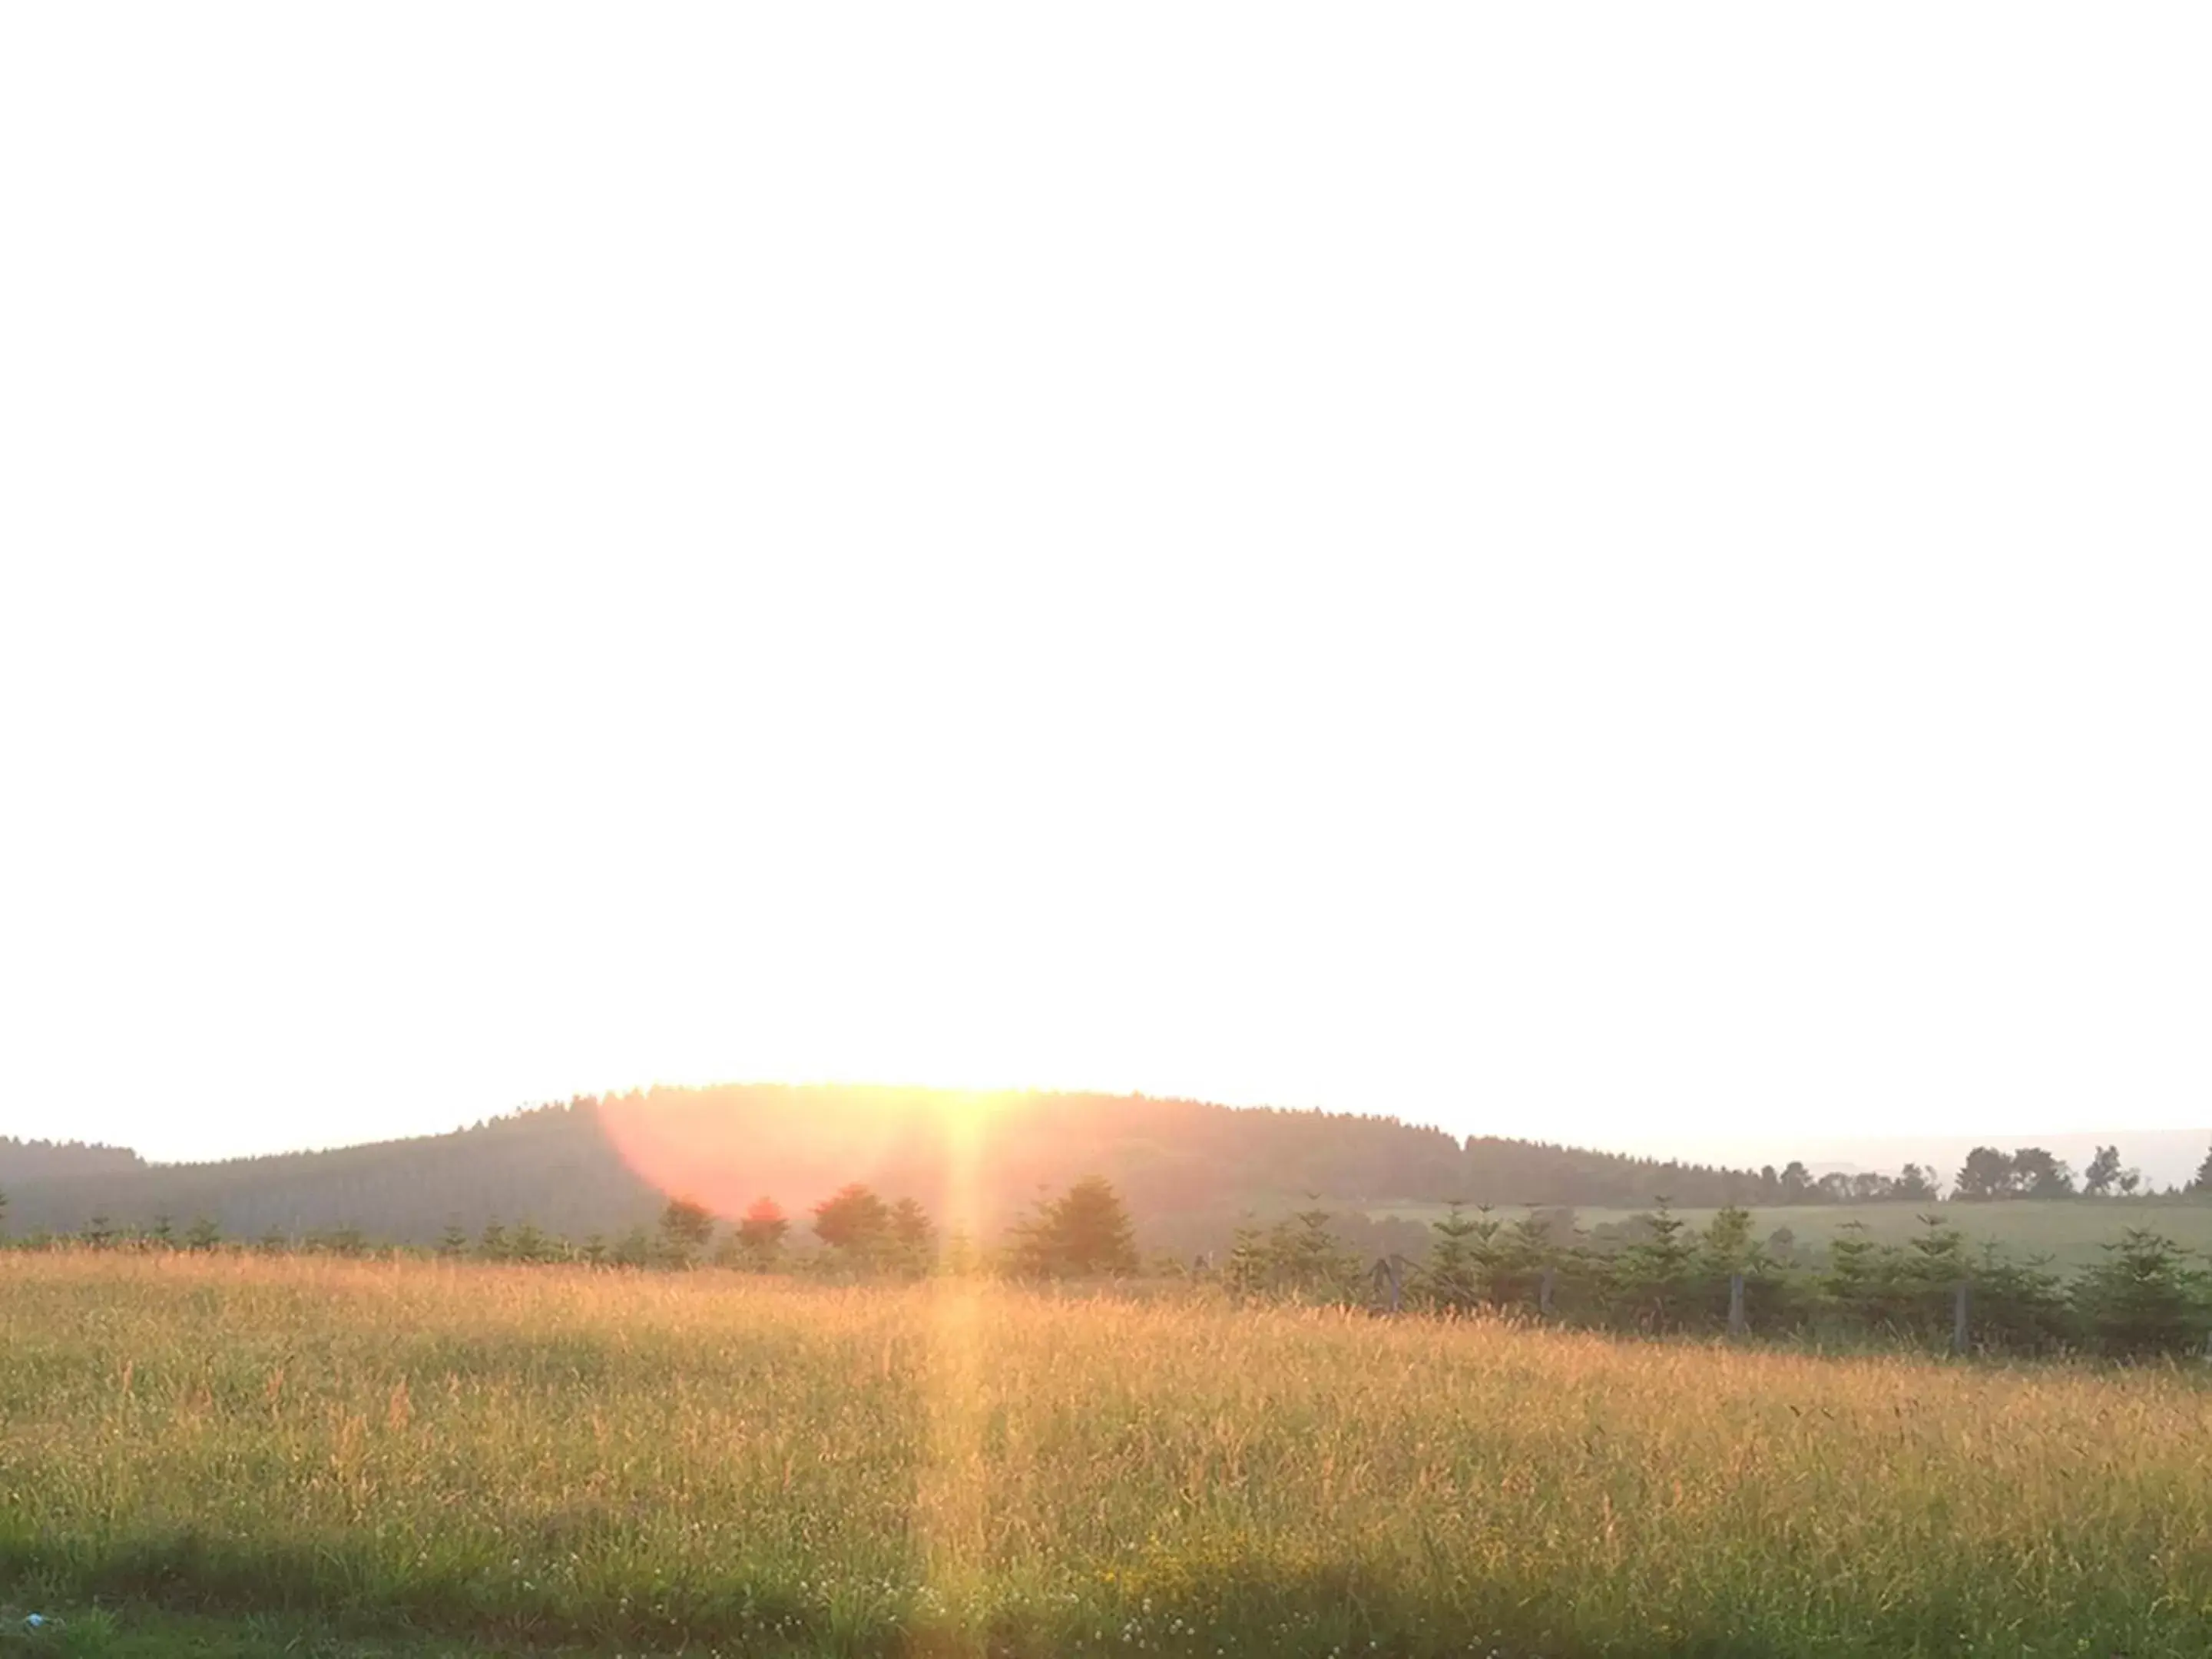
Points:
[(1578, 571)]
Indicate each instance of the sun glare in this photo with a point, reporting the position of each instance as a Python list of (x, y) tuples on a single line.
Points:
[(727, 1146)]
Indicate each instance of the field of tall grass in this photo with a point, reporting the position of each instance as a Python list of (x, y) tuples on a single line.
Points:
[(719, 1463)]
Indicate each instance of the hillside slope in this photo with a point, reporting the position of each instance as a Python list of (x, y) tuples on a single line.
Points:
[(1187, 1168)]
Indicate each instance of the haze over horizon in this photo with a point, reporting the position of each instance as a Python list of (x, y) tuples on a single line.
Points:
[(1453, 566), (2166, 1157)]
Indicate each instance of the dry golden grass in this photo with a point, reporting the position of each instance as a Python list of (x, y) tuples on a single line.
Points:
[(617, 1458)]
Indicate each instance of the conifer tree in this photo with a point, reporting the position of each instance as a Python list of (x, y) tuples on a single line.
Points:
[(2143, 1298), (2019, 1305), (1247, 1269), (1451, 1280), (1084, 1233), (1659, 1270), (1310, 1260), (1524, 1250), (1852, 1276), (1727, 1243)]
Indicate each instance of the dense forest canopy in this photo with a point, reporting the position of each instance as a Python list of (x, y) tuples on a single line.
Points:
[(42, 1160), (1187, 1169)]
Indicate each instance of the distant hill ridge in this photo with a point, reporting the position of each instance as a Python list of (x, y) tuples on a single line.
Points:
[(40, 1160), (605, 1164)]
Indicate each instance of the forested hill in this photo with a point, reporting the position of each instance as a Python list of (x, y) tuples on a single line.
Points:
[(607, 1164), (42, 1160)]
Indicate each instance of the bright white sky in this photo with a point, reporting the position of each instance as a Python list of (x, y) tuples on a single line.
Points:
[(1594, 572)]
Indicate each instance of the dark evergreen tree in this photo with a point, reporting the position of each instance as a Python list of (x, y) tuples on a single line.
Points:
[(1854, 1279), (1247, 1266), (1084, 1233), (1657, 1274), (1524, 1251), (1311, 1261), (1925, 1279), (2018, 1306), (2143, 1298), (1451, 1279)]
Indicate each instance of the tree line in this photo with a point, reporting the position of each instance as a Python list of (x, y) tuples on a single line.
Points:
[(38, 1160), (2031, 1172), (1085, 1232), (1989, 1173), (2149, 1297), (1187, 1169)]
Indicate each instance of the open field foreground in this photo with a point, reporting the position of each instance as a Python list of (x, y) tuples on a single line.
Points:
[(433, 1458)]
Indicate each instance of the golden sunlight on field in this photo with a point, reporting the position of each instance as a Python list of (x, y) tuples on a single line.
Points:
[(614, 1456)]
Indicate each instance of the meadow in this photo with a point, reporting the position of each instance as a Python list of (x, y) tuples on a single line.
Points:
[(228, 1454)]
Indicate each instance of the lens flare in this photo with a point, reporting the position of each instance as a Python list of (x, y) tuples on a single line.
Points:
[(724, 1148)]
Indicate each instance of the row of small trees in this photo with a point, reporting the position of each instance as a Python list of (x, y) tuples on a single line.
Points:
[(2147, 1296), (1084, 1232)]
